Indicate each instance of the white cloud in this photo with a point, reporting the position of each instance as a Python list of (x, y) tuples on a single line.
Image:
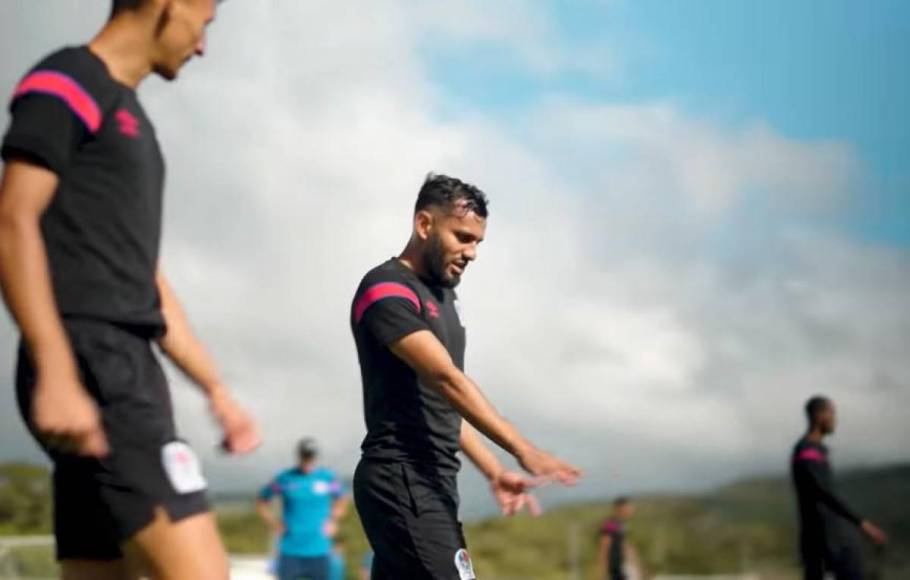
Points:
[(650, 301)]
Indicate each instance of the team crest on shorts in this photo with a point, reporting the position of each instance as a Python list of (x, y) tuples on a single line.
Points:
[(463, 565), (182, 467)]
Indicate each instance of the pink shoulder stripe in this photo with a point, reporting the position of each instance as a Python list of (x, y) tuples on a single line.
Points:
[(381, 291), (810, 454), (65, 88)]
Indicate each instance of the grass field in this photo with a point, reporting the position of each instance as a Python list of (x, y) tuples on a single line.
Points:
[(747, 526)]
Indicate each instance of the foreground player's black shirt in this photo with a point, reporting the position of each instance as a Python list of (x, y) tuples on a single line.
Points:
[(103, 226), (821, 512), (406, 420), (617, 554)]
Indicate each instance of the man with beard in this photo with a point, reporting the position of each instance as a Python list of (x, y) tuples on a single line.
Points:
[(80, 225), (420, 407), (825, 541)]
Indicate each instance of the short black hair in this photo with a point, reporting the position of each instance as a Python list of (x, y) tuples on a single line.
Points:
[(621, 501), (815, 406), (306, 449), (118, 6), (448, 192)]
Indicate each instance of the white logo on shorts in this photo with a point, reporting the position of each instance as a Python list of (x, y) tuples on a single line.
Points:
[(182, 467), (463, 565)]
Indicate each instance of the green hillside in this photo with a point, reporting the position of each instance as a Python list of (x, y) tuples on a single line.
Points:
[(745, 526)]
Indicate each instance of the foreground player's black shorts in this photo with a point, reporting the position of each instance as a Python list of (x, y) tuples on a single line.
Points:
[(410, 516), (98, 504)]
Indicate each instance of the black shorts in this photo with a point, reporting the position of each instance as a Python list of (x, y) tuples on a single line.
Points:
[(842, 563), (98, 504), (410, 516)]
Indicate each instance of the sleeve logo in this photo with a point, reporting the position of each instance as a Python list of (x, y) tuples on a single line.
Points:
[(127, 123)]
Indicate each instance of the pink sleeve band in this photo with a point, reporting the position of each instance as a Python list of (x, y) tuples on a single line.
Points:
[(811, 455), (380, 292), (66, 89)]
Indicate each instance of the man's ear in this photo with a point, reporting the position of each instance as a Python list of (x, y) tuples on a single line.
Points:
[(423, 224), (164, 12)]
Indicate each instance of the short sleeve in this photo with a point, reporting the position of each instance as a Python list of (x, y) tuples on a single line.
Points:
[(389, 311), (336, 488), (609, 528), (270, 490), (51, 115)]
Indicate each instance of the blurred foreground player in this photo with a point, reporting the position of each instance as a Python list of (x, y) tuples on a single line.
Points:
[(80, 220), (420, 407), (825, 540)]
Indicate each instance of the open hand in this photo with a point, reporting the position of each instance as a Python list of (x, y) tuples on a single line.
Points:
[(542, 464), (511, 491), (874, 533)]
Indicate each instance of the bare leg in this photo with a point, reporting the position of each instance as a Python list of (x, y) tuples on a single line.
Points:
[(190, 548)]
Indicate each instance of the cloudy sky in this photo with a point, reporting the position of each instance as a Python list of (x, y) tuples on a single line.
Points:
[(700, 218)]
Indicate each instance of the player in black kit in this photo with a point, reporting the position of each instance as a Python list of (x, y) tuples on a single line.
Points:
[(825, 542), (616, 555), (80, 223), (420, 407)]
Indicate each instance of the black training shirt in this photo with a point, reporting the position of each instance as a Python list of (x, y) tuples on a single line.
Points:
[(103, 226), (616, 531), (821, 511), (406, 420)]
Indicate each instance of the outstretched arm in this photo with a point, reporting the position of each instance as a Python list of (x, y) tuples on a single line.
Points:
[(62, 411), (812, 472), (182, 346), (423, 352)]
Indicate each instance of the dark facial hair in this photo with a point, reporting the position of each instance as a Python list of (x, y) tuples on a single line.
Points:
[(434, 264)]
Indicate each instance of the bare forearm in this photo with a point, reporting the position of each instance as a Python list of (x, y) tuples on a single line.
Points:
[(339, 508), (466, 397), (479, 454), (27, 290), (183, 348), (264, 509)]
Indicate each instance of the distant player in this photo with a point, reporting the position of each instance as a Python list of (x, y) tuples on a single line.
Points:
[(420, 407), (313, 501), (80, 225), (825, 544), (616, 556)]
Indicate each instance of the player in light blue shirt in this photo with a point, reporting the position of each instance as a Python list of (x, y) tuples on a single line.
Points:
[(313, 502)]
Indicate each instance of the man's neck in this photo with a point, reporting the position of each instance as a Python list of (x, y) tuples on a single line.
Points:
[(815, 435), (412, 259), (124, 45)]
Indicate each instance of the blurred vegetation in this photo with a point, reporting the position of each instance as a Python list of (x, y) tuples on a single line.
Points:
[(746, 526), (25, 506)]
